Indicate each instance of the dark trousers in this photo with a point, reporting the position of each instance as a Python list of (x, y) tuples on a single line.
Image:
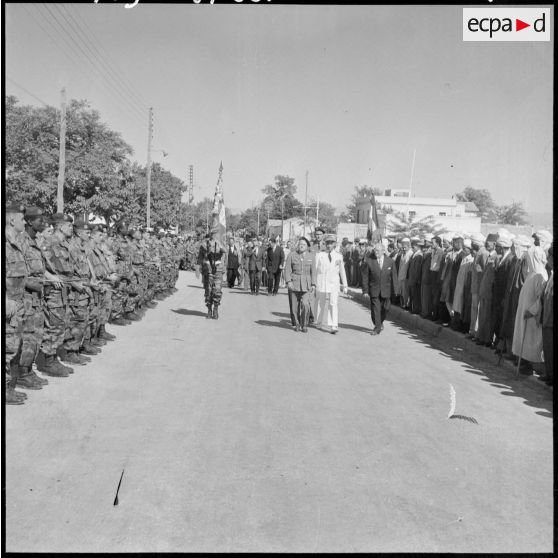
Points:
[(257, 281), (548, 351), (379, 307), (435, 300), (301, 307), (231, 276), (252, 274), (293, 319), (414, 291), (348, 273), (273, 281)]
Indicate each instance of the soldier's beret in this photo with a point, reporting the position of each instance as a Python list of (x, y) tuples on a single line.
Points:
[(33, 211), (60, 218), (305, 240), (319, 229), (492, 237), (14, 208), (330, 238)]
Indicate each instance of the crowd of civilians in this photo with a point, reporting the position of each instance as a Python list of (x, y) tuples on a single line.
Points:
[(497, 290)]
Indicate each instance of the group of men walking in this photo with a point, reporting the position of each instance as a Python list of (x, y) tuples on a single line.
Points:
[(65, 280)]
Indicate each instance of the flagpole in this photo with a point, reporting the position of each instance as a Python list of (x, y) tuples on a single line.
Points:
[(411, 183)]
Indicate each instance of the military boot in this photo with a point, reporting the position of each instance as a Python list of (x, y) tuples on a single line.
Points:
[(25, 380), (132, 316), (102, 333), (88, 349), (13, 397), (10, 384), (51, 367), (209, 312), (120, 321), (37, 378), (216, 312), (98, 342), (73, 357)]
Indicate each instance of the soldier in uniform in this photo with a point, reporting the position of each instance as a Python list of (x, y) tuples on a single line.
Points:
[(33, 325), (126, 271), (212, 260), (301, 279), (56, 253), (139, 282), (120, 290), (16, 277), (152, 265), (80, 300), (105, 273)]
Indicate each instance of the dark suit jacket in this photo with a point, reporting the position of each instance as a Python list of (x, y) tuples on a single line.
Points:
[(414, 269), (260, 258), (375, 281), (233, 260), (274, 259), (249, 259)]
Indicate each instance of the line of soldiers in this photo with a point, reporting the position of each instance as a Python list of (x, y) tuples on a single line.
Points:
[(65, 280)]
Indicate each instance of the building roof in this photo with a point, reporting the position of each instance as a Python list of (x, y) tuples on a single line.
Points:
[(470, 206), (394, 200)]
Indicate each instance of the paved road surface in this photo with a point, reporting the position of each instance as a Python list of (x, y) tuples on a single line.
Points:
[(241, 435)]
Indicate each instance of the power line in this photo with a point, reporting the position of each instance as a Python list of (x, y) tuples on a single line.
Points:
[(79, 37), (120, 76), (26, 91), (91, 61), (67, 52)]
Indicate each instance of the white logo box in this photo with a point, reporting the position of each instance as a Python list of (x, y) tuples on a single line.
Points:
[(500, 24)]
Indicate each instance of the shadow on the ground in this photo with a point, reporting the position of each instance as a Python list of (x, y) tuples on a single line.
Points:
[(242, 292), (186, 312), (283, 324), (195, 286), (534, 395)]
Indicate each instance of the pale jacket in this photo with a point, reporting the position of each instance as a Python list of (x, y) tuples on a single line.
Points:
[(330, 275)]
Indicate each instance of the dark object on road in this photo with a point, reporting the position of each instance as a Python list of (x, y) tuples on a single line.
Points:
[(463, 417), (119, 483)]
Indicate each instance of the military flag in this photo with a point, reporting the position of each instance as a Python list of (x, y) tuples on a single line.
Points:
[(219, 222), (373, 233)]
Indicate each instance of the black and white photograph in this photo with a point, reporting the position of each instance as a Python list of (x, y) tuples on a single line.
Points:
[(278, 277)]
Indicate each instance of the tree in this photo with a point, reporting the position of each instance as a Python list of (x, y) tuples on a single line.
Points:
[(482, 199), (399, 224), (512, 214), (350, 214), (95, 156), (326, 215), (282, 195)]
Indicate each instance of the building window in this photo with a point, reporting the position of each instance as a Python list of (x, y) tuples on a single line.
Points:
[(442, 214)]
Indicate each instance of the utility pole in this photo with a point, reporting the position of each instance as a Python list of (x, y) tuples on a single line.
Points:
[(149, 138), (258, 229), (62, 155), (305, 201), (317, 209), (191, 191)]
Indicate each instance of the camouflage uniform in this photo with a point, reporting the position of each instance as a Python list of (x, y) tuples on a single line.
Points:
[(34, 321), (212, 261), (102, 270), (79, 302), (138, 265), (16, 275), (55, 303), (152, 266)]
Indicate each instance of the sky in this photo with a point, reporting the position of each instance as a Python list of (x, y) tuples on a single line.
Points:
[(350, 94)]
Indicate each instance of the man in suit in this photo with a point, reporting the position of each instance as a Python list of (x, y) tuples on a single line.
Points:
[(301, 280), (406, 255), (233, 262), (329, 269), (378, 274), (275, 261), (259, 250), (414, 275)]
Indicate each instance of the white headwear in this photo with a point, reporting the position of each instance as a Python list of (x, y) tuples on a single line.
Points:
[(536, 261)]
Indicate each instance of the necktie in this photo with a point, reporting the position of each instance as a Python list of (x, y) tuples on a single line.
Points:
[(329, 256)]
